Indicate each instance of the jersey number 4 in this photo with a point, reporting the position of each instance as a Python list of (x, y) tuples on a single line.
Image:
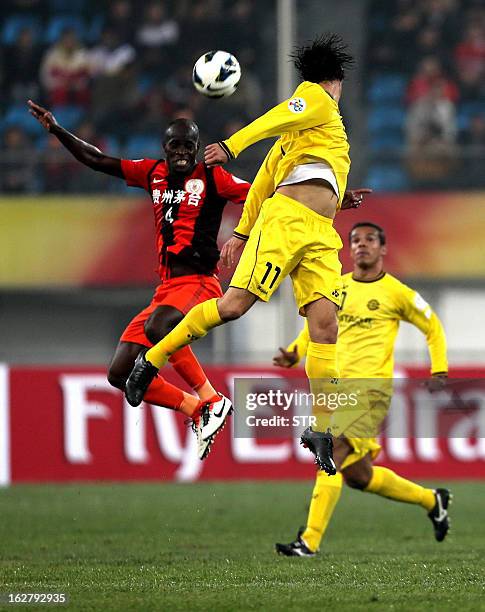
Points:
[(277, 272)]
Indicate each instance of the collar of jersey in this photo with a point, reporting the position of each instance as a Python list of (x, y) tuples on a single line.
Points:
[(374, 280)]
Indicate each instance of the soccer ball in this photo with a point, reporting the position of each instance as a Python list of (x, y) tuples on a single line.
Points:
[(216, 74)]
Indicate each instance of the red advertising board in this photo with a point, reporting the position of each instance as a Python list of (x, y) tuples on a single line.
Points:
[(68, 424)]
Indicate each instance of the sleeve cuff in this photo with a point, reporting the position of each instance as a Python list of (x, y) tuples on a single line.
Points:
[(226, 149), (240, 236), (444, 373)]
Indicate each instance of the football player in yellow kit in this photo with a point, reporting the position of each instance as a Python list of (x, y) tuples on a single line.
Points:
[(373, 305), (286, 228)]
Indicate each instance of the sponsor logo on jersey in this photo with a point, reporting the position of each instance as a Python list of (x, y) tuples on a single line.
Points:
[(373, 304), (297, 105), (353, 320)]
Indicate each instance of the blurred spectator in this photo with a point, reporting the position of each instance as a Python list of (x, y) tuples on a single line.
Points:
[(405, 24), (432, 119), (22, 67), (111, 55), (431, 135), (122, 20), (116, 102), (153, 112), (429, 74), (441, 15), (17, 164), (65, 71), (429, 42), (470, 60), (204, 23), (156, 32), (58, 168), (179, 90)]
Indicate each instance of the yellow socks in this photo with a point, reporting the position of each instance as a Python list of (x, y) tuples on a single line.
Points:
[(196, 323), (326, 494), (386, 483), (321, 367)]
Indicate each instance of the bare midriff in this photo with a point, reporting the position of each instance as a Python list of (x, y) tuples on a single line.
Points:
[(316, 194)]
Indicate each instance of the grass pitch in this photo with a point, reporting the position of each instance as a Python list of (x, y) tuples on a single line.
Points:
[(210, 546)]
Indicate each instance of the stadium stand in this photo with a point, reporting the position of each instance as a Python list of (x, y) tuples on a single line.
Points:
[(125, 70), (406, 39)]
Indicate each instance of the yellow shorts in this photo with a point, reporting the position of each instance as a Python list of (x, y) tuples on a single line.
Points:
[(360, 448), (361, 425), (289, 238)]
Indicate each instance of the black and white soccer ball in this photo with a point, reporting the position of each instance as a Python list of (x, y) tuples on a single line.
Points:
[(216, 74)]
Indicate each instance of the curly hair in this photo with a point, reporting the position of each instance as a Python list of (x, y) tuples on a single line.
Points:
[(324, 59)]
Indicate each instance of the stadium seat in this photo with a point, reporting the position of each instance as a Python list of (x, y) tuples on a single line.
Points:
[(143, 146), (15, 24), (386, 141), (388, 117), (387, 177), (18, 115), (466, 112), (387, 88), (68, 116), (60, 23)]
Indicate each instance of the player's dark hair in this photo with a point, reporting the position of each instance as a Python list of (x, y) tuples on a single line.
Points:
[(324, 59), (378, 228)]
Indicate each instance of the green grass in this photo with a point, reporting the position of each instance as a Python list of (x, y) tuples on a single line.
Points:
[(210, 547)]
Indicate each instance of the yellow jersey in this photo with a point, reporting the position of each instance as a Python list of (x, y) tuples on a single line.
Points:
[(310, 129), (369, 320)]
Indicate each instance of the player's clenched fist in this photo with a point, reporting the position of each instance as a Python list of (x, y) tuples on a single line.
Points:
[(43, 116)]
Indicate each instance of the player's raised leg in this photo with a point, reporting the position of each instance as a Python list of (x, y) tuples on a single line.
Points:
[(160, 392), (163, 319), (195, 324), (386, 483)]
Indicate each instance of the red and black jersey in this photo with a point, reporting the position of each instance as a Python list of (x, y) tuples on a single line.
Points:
[(188, 210)]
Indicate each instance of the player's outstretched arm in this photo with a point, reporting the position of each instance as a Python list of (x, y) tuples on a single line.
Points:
[(86, 153), (289, 116)]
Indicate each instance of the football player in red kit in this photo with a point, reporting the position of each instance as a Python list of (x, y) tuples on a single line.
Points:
[(188, 201)]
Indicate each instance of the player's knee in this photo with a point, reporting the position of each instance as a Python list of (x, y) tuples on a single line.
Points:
[(115, 379), (230, 310), (325, 332), (156, 330), (356, 480)]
